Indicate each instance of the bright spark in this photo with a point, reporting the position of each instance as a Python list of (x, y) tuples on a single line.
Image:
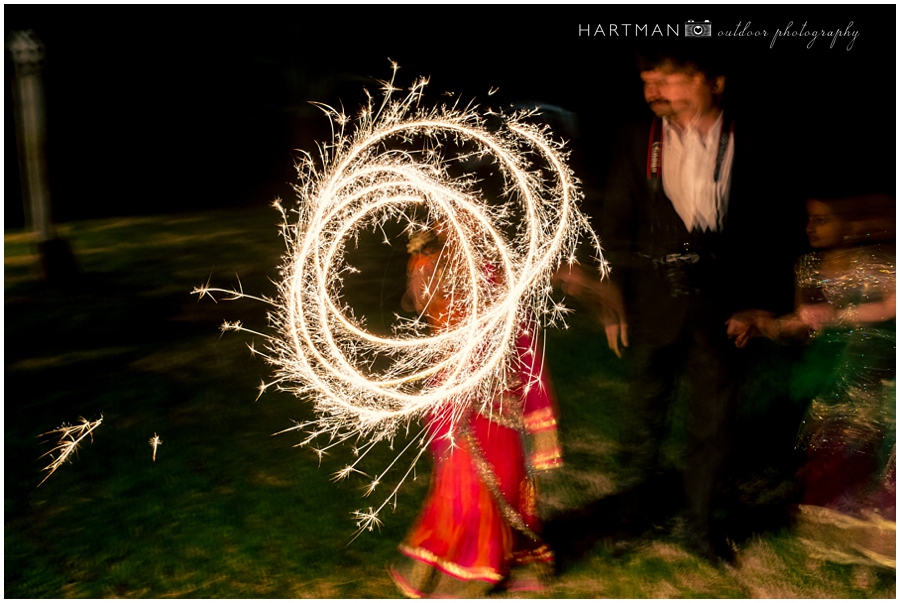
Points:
[(372, 485), (69, 438), (155, 442), (394, 160), (345, 472), (367, 521)]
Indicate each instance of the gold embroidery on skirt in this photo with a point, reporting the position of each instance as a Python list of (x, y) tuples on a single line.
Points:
[(540, 420), (507, 413), (457, 571), (546, 453), (486, 472), (541, 554)]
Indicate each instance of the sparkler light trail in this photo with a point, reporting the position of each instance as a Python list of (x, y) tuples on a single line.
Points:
[(69, 438), (397, 162)]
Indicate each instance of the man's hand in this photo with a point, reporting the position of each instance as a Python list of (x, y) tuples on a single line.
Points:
[(747, 324), (616, 331), (612, 313), (740, 331)]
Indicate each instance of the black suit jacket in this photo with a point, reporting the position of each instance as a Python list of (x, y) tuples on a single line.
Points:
[(747, 264)]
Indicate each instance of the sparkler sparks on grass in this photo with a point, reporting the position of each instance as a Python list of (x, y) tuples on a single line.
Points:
[(155, 442), (395, 162), (367, 521), (69, 438)]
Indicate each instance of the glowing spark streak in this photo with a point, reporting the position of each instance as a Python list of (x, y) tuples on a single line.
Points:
[(207, 291), (337, 352), (69, 438), (155, 442), (345, 472), (373, 517), (309, 308), (363, 181), (366, 520)]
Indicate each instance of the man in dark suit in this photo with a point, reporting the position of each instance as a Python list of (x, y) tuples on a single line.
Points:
[(689, 236)]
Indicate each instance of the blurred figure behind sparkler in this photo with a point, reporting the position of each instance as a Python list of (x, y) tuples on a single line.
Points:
[(479, 527), (846, 299)]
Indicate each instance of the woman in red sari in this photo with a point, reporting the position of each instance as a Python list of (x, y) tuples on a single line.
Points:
[(479, 527)]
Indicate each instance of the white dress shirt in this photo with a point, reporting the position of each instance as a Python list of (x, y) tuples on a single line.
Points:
[(688, 171)]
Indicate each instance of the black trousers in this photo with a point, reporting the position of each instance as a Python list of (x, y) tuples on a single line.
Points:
[(697, 359)]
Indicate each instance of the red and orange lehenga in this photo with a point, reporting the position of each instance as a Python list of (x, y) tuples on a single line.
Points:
[(480, 526)]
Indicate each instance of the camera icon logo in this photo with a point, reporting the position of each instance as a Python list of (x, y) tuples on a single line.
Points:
[(693, 29)]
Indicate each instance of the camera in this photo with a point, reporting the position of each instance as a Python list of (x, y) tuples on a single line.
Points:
[(681, 274), (692, 29)]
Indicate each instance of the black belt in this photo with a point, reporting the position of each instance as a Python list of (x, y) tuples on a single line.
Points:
[(680, 271), (672, 259)]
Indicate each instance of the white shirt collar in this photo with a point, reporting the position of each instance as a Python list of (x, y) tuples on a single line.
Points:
[(673, 131), (688, 170)]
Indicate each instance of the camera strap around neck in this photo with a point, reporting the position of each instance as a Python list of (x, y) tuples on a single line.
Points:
[(655, 151)]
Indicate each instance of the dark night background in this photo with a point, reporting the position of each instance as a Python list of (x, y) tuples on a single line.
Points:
[(173, 112), (159, 108)]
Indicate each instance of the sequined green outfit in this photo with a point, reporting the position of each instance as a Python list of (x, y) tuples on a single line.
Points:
[(856, 410)]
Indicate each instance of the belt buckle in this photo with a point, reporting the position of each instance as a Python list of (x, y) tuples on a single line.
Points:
[(689, 258)]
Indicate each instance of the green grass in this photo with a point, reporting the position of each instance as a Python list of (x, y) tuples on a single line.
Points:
[(227, 510)]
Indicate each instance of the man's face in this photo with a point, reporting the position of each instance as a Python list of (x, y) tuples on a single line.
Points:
[(679, 95)]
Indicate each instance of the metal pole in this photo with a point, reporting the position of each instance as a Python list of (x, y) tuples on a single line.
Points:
[(28, 53), (57, 262)]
